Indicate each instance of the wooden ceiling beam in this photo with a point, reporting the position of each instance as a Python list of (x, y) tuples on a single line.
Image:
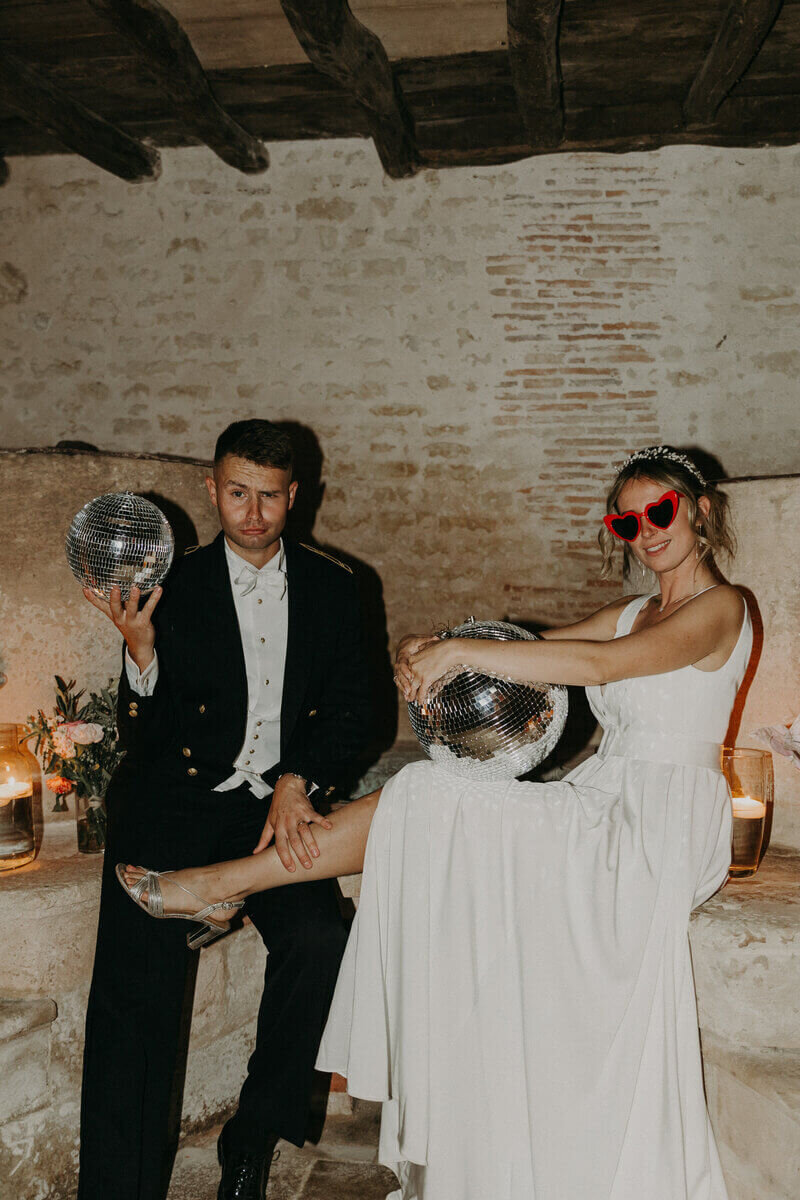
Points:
[(341, 47), (40, 102), (739, 38), (533, 27), (168, 55)]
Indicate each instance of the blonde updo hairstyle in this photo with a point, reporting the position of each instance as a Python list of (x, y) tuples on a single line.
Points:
[(715, 533)]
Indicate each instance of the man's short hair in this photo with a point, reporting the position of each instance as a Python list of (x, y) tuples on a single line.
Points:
[(259, 442)]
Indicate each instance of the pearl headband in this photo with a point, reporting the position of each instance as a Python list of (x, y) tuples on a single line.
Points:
[(660, 452)]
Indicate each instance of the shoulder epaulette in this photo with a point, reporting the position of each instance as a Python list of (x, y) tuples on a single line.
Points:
[(190, 550), (330, 558)]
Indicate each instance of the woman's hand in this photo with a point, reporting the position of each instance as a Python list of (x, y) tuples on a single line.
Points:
[(409, 645), (430, 663)]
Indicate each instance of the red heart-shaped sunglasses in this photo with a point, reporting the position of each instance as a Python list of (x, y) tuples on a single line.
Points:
[(661, 513)]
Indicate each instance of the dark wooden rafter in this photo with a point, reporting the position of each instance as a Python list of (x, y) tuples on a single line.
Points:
[(464, 105), (40, 102), (533, 27), (739, 38), (341, 47), (168, 55)]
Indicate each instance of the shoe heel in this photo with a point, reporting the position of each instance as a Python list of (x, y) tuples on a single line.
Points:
[(204, 936)]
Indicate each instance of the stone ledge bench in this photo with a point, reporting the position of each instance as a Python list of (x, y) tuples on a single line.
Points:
[(746, 954)]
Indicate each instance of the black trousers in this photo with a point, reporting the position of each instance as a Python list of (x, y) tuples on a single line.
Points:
[(143, 982)]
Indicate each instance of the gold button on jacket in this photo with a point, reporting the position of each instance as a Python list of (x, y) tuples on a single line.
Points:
[(192, 771), (187, 752)]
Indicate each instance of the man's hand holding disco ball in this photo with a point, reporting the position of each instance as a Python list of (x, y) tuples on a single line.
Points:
[(120, 548), (134, 623)]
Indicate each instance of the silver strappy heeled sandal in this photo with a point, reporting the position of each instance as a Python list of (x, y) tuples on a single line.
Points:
[(154, 906)]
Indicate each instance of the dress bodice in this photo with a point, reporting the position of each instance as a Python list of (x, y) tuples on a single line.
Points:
[(687, 703)]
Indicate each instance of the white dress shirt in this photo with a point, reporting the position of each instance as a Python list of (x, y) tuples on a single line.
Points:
[(262, 608)]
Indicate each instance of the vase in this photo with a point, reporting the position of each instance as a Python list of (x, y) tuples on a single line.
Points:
[(751, 780), (19, 780), (90, 815)]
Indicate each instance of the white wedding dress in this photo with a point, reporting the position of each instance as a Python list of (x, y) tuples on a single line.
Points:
[(517, 988)]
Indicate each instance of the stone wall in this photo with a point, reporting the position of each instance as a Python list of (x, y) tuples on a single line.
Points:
[(468, 351), (46, 625)]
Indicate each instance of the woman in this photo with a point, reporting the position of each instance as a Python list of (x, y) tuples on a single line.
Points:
[(517, 987)]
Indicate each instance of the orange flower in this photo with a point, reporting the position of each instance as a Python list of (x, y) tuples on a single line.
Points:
[(59, 785)]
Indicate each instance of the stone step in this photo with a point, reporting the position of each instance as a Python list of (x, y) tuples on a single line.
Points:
[(24, 1056), (21, 1016), (352, 1137), (342, 1166), (754, 1099), (746, 956), (25, 1087)]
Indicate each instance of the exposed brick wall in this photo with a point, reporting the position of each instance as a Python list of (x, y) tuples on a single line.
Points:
[(472, 348), (569, 296)]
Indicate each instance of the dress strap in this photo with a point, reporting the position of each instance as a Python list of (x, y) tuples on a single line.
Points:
[(710, 588), (629, 614)]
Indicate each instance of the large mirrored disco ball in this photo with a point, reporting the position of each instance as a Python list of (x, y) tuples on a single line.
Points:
[(120, 539), (485, 726)]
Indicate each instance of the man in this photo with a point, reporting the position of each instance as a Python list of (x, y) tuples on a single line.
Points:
[(243, 699)]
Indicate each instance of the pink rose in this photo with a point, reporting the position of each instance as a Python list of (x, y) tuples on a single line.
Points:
[(82, 732), (63, 743)]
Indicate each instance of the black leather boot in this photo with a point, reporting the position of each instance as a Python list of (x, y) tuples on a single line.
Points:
[(245, 1174)]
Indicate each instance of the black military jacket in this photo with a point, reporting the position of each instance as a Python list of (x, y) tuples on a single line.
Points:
[(191, 729)]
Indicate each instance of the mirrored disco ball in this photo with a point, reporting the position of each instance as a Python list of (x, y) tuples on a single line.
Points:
[(485, 726), (120, 539)]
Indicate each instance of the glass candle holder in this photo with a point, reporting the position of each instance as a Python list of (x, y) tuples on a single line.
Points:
[(17, 841), (751, 780)]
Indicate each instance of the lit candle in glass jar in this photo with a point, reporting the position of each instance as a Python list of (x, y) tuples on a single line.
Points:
[(15, 833), (17, 791), (748, 831), (750, 779), (748, 808), (12, 789)]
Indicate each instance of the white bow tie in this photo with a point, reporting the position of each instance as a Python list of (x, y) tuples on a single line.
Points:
[(272, 581)]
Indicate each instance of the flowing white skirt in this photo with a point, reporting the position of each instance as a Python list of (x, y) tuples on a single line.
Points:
[(517, 988)]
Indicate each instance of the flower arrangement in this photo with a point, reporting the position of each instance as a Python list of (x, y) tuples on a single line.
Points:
[(78, 748)]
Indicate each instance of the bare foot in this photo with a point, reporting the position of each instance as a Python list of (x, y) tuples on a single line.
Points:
[(186, 891)]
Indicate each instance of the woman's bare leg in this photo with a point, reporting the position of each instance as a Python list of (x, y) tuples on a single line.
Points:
[(341, 852)]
